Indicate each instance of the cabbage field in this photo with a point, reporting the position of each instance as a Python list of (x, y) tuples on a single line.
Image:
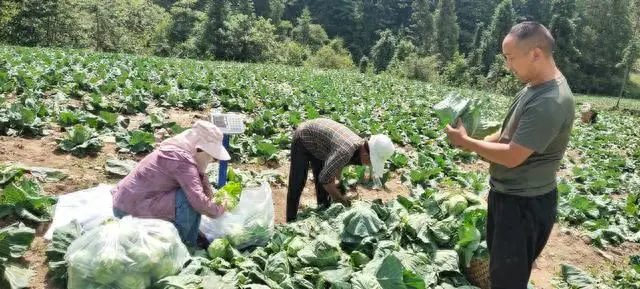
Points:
[(85, 103)]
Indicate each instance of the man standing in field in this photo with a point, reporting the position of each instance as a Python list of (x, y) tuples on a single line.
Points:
[(329, 146), (524, 156)]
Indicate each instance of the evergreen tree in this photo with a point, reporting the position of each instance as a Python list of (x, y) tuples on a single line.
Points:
[(422, 26), (607, 32), (382, 53), (536, 10), (629, 58), (563, 30), (477, 36), (262, 7), (213, 34), (244, 7), (403, 50), (491, 43), (166, 4), (34, 21), (368, 23), (276, 11), (447, 31), (307, 33), (184, 17), (470, 14), (338, 18)]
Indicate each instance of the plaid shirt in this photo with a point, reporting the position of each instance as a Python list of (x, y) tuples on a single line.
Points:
[(330, 142)]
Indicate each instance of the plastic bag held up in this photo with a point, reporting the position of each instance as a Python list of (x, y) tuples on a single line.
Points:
[(129, 253)]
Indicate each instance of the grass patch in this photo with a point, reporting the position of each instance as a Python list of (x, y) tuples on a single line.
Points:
[(608, 102)]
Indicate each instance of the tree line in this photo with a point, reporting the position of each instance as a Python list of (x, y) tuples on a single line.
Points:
[(454, 42)]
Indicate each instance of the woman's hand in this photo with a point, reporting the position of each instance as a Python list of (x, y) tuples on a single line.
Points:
[(219, 209)]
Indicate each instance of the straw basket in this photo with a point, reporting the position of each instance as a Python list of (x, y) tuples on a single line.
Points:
[(478, 273)]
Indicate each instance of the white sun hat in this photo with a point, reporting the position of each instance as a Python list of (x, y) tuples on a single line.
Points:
[(202, 135), (380, 150)]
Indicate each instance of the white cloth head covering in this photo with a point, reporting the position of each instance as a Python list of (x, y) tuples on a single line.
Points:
[(202, 135), (380, 149)]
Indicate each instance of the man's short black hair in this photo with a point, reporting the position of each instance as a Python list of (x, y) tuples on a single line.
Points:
[(534, 35)]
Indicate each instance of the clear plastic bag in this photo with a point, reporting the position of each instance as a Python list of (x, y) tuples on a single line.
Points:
[(88, 207), (129, 253), (249, 224)]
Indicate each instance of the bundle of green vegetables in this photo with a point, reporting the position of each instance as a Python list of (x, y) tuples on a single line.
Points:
[(456, 107), (228, 196)]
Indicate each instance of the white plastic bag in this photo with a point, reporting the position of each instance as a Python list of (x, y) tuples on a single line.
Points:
[(250, 223), (88, 207), (128, 253)]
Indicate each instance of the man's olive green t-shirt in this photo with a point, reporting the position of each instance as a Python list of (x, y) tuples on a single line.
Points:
[(540, 119)]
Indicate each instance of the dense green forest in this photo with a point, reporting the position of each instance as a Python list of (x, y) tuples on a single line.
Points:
[(453, 42)]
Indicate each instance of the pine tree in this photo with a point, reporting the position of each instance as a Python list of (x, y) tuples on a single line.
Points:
[(536, 10), (447, 30), (477, 36), (304, 26), (491, 43), (307, 33), (605, 38), (470, 14), (243, 7), (212, 36), (563, 30), (382, 53), (422, 25), (276, 11)]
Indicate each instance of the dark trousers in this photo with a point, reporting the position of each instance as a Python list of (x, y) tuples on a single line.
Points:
[(301, 158), (517, 230)]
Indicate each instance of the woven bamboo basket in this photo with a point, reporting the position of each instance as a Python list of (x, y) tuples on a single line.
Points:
[(478, 273)]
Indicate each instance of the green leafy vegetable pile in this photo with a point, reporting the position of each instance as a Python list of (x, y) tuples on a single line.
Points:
[(414, 242)]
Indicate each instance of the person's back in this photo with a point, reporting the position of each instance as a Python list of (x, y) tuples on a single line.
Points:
[(324, 137), (149, 190)]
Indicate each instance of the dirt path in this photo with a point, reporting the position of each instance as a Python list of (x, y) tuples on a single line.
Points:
[(566, 245)]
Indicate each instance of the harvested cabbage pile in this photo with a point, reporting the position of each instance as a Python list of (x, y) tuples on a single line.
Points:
[(125, 254), (424, 241), (469, 111)]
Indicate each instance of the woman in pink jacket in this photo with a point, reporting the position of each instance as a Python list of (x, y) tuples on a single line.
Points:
[(171, 184)]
